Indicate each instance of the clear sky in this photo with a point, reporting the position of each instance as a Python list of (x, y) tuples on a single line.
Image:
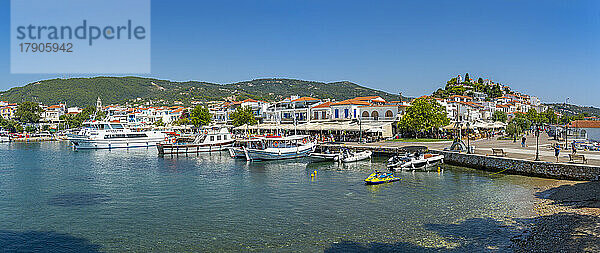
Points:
[(549, 49)]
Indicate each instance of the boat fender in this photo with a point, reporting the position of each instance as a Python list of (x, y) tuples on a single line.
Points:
[(304, 141), (275, 144)]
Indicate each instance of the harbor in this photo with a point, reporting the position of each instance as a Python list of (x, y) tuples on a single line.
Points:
[(113, 200)]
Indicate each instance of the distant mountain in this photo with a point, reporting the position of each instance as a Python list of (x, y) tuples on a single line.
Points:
[(112, 90), (570, 109)]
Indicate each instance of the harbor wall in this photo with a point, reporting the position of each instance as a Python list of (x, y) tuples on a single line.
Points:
[(522, 167)]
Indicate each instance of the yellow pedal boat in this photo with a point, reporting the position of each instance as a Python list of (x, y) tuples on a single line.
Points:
[(380, 178)]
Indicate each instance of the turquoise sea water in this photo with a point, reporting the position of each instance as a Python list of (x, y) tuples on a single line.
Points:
[(57, 199)]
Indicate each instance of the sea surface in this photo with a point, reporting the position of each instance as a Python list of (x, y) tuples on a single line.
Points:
[(55, 199)]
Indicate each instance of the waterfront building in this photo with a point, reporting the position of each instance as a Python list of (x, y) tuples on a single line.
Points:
[(588, 128)]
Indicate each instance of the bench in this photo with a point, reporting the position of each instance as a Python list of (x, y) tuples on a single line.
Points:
[(498, 152), (573, 158)]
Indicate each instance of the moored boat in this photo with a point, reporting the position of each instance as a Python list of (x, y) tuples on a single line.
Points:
[(380, 178), (276, 148), (348, 157), (414, 161), (111, 135), (207, 140)]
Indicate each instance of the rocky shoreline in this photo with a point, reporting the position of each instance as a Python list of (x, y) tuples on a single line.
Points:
[(567, 220)]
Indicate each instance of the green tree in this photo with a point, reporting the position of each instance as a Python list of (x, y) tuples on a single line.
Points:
[(10, 125), (423, 114), (551, 116), (451, 82), (181, 121), (513, 129), (159, 123), (30, 129), (466, 77), (499, 116), (243, 115), (522, 121), (76, 120), (200, 116), (28, 112), (480, 80)]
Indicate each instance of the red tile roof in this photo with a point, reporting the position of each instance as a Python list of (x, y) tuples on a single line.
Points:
[(304, 99), (352, 102), (323, 105), (585, 124)]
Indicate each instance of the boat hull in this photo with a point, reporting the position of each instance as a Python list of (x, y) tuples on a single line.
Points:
[(417, 163), (321, 157), (279, 153), (382, 181), (166, 148), (80, 143), (358, 157)]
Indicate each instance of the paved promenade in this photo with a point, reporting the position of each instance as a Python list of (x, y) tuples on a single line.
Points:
[(513, 149)]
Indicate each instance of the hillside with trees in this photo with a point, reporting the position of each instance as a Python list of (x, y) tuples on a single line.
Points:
[(112, 90), (468, 88)]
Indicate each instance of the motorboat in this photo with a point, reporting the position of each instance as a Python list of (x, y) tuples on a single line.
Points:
[(380, 178), (414, 161), (348, 157), (325, 155), (112, 135), (277, 147), (208, 140), (322, 157), (4, 137)]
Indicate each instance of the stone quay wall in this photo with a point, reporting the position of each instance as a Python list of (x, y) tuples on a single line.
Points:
[(567, 171)]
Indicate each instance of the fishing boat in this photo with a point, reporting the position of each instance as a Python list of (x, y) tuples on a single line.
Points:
[(208, 140), (277, 147), (348, 157), (112, 135), (237, 150), (414, 161), (380, 178)]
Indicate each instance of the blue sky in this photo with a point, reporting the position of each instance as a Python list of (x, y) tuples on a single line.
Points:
[(550, 49)]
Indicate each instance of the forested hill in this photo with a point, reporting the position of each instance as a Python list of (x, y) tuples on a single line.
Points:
[(570, 109), (112, 90)]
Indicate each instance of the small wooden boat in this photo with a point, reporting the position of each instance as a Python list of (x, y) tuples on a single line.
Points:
[(348, 157)]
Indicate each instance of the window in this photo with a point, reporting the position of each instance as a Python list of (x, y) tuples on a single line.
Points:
[(365, 114), (212, 138), (337, 113), (389, 114), (316, 115), (345, 113), (354, 114), (323, 115), (218, 137), (224, 137), (375, 115)]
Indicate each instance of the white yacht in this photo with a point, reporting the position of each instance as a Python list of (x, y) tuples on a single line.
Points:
[(207, 140), (109, 135)]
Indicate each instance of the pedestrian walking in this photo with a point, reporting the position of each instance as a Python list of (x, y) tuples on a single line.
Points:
[(523, 139), (573, 147), (556, 151)]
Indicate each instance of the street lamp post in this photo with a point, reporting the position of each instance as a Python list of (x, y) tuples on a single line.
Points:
[(359, 130), (537, 145), (468, 138)]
